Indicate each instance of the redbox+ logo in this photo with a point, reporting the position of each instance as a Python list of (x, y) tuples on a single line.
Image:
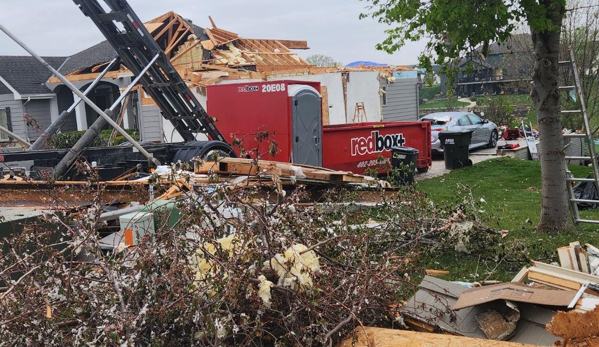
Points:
[(375, 143)]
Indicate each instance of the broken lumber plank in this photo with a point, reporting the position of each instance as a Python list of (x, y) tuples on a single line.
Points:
[(522, 275), (574, 277), (432, 272), (379, 337), (567, 258), (250, 167), (542, 276)]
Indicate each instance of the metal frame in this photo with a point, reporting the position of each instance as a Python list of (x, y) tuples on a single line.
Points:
[(589, 141)]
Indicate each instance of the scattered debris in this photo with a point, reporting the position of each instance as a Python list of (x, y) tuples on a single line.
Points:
[(430, 310), (575, 325), (496, 326)]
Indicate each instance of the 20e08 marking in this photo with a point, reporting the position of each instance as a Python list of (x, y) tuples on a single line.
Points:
[(275, 87)]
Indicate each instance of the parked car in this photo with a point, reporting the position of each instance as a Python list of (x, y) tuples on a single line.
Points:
[(484, 131)]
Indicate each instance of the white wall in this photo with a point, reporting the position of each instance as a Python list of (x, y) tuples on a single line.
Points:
[(364, 86)]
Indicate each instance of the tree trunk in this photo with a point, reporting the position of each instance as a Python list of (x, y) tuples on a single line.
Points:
[(555, 214)]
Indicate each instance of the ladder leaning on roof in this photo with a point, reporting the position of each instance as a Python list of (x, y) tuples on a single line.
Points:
[(136, 48), (588, 137)]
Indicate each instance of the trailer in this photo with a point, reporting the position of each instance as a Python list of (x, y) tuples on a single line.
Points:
[(289, 113)]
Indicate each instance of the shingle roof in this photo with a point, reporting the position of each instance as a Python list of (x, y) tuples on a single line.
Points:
[(518, 43), (97, 54), (26, 74), (4, 89), (102, 53)]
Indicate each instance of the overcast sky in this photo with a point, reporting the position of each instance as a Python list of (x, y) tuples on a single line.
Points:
[(331, 27)]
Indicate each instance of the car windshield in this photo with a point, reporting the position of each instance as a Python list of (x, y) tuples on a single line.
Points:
[(437, 120)]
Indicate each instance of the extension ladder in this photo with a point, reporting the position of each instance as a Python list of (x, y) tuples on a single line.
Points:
[(136, 47), (588, 137)]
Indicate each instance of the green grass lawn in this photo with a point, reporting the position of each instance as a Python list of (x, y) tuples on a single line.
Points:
[(442, 104), (511, 190)]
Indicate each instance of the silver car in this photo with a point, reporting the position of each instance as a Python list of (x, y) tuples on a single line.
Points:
[(484, 131)]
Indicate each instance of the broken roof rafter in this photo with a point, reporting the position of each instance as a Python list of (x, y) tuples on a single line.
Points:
[(214, 47)]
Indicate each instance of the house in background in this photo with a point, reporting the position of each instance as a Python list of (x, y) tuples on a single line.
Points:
[(204, 57), (507, 68), (27, 106)]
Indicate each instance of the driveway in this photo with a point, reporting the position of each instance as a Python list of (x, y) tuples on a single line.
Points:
[(438, 167)]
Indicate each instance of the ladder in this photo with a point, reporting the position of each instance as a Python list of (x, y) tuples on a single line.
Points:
[(359, 113), (136, 48), (587, 136)]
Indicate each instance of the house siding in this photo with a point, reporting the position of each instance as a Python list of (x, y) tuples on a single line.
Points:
[(402, 100), (16, 114), (151, 123), (39, 110)]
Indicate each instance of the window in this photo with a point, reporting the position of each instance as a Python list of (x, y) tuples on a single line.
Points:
[(463, 121), (384, 96), (475, 119), (4, 123)]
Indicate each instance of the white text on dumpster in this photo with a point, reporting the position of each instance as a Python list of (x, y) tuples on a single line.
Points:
[(375, 143)]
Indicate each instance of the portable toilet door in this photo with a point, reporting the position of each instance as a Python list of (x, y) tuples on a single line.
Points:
[(306, 125)]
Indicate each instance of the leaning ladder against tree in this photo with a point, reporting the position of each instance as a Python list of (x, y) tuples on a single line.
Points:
[(588, 139)]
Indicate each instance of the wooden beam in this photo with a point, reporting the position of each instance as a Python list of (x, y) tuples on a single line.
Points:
[(172, 44), (212, 22), (379, 337), (325, 105), (168, 26), (83, 77), (293, 44), (99, 66)]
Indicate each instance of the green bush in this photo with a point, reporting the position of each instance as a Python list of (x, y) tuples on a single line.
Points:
[(68, 139)]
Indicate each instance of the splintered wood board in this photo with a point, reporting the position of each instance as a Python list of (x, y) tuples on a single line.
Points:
[(235, 166)]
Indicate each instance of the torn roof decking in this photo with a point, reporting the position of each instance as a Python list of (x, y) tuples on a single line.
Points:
[(208, 47), (197, 53)]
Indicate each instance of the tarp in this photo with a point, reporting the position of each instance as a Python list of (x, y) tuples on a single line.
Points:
[(365, 63), (586, 191)]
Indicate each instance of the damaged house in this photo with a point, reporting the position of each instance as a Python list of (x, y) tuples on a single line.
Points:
[(204, 57), (25, 97)]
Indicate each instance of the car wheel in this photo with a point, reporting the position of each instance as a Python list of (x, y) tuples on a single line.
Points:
[(422, 169), (493, 140)]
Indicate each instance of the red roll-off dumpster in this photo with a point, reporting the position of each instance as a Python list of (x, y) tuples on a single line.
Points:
[(290, 111), (357, 147)]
